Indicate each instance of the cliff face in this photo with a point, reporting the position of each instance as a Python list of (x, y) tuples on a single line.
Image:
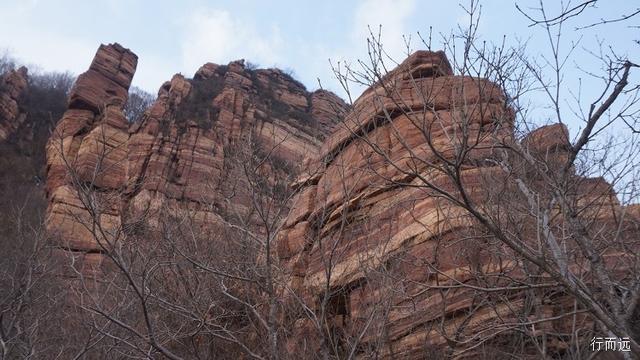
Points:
[(12, 87), (387, 258), (377, 258), (18, 175), (184, 153), (29, 108)]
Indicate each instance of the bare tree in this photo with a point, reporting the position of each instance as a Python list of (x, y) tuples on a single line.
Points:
[(531, 255), (533, 214), (30, 299), (167, 282), (138, 101), (7, 62)]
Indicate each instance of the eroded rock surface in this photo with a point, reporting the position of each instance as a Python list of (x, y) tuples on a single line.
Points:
[(384, 257), (183, 156), (365, 245), (12, 86)]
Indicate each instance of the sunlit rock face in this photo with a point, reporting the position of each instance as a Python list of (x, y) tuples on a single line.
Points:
[(181, 157), (384, 258)]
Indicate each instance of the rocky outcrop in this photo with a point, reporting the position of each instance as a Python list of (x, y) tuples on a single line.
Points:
[(12, 86), (383, 265), (183, 156), (29, 107), (384, 258), (88, 148)]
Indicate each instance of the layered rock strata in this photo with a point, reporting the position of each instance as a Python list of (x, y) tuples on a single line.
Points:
[(385, 258), (12, 87), (183, 156)]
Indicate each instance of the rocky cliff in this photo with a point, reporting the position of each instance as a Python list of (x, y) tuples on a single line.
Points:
[(30, 105), (12, 87), (398, 267), (183, 156), (380, 256)]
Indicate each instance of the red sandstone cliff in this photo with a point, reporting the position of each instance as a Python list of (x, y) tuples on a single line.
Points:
[(30, 105), (12, 86), (392, 263), (177, 158), (375, 263)]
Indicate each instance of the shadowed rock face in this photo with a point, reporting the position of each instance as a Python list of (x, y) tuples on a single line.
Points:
[(182, 155), (12, 86), (366, 244)]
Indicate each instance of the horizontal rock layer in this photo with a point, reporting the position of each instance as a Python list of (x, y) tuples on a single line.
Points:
[(367, 243), (183, 157)]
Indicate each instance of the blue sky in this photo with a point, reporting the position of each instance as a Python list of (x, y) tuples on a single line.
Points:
[(179, 36)]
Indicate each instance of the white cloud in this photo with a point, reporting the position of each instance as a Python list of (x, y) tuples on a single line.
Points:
[(393, 15), (33, 44), (52, 52), (215, 36), (152, 71)]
